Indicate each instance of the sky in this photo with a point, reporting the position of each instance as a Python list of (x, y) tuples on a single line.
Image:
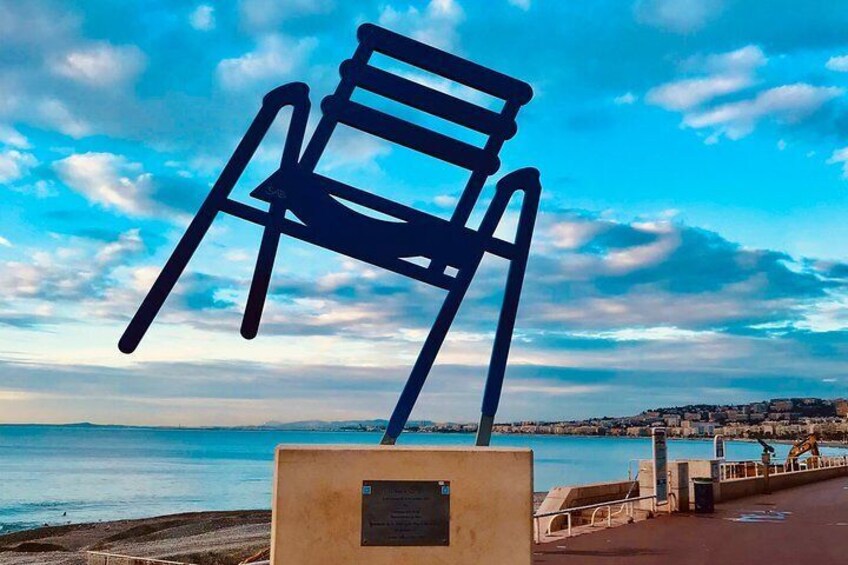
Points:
[(692, 243)]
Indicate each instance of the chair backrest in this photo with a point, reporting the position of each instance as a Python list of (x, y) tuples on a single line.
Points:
[(357, 73)]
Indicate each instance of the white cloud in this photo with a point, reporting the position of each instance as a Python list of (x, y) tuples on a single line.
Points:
[(827, 315), (840, 156), (115, 252), (238, 256), (445, 200), (573, 234), (274, 58), (655, 333), (11, 136), (523, 4), (109, 180), (57, 115), (113, 182), (349, 147), (729, 73), (15, 165), (786, 104), (680, 16), (838, 64), (643, 256), (625, 99), (781, 145), (435, 25), (101, 65), (726, 73), (202, 18), (5, 242), (76, 272), (689, 93), (742, 60)]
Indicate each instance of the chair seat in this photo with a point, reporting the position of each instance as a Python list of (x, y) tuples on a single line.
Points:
[(331, 220)]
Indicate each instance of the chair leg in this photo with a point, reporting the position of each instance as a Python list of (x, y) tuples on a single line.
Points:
[(262, 272), (500, 348), (427, 356), (196, 231), (172, 270), (527, 180), (509, 307)]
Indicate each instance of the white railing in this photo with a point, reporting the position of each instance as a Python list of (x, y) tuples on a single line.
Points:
[(102, 557), (744, 469), (626, 509)]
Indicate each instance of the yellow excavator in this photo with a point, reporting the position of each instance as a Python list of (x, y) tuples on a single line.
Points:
[(811, 444)]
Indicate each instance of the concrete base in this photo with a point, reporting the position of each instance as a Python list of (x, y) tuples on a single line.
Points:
[(317, 507)]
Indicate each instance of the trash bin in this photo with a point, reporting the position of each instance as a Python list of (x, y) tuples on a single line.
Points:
[(704, 499)]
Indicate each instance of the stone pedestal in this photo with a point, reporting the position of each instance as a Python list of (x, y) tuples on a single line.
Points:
[(322, 495)]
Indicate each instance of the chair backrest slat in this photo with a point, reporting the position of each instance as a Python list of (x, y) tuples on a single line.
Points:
[(445, 64), (410, 135), (429, 100), (497, 126)]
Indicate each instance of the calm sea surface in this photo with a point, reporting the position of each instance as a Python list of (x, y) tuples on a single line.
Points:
[(54, 475)]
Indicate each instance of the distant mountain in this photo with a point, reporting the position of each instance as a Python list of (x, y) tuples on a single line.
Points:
[(301, 426), (338, 425)]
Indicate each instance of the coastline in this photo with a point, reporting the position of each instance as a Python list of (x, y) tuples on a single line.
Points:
[(265, 429), (204, 538)]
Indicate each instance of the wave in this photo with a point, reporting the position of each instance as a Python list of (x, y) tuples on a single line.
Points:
[(11, 527)]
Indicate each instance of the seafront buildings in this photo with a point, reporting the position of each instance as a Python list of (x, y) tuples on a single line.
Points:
[(780, 419)]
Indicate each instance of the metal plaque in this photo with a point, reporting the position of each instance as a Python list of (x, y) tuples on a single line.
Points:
[(405, 513)]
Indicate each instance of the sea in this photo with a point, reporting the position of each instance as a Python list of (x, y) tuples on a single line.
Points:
[(52, 475)]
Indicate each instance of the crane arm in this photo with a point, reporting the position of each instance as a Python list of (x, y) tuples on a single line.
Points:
[(810, 443)]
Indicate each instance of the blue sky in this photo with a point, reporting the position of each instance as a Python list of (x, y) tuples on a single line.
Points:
[(692, 245)]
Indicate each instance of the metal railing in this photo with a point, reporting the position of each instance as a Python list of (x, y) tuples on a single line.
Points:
[(626, 507), (104, 558), (745, 469)]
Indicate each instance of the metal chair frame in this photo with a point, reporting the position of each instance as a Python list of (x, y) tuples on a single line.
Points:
[(452, 250)]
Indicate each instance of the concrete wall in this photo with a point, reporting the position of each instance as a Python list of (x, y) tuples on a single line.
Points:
[(681, 473), (738, 488), (704, 469), (729, 489), (560, 498), (318, 498)]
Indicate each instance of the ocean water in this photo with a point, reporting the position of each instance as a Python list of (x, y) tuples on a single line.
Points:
[(57, 474)]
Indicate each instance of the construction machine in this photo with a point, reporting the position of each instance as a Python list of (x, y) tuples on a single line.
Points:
[(811, 444)]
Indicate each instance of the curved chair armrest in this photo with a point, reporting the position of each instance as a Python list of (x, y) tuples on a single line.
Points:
[(291, 94), (296, 95), (526, 179)]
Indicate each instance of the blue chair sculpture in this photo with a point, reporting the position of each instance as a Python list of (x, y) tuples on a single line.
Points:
[(453, 249)]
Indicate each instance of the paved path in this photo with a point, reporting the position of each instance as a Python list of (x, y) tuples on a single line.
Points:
[(804, 525)]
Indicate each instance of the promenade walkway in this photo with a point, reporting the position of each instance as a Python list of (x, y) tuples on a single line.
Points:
[(807, 524)]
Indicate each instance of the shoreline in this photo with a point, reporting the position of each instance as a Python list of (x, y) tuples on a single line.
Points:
[(210, 537), (87, 425), (82, 426)]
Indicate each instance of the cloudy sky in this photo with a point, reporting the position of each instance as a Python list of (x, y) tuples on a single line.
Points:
[(692, 246)]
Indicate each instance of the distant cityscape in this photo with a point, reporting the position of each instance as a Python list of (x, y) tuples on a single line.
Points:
[(779, 419)]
